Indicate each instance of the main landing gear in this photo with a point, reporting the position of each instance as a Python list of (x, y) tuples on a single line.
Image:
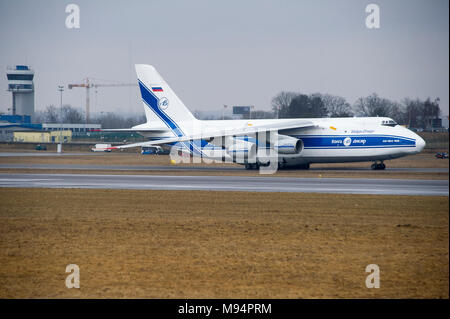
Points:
[(250, 166), (378, 166)]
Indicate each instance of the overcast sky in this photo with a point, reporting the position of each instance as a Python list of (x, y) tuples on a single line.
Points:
[(228, 52)]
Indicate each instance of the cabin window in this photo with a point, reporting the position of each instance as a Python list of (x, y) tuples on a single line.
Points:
[(389, 123)]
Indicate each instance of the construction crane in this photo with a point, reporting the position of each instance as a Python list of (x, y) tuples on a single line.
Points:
[(88, 84)]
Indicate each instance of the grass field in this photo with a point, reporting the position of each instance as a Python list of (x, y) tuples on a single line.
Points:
[(169, 244)]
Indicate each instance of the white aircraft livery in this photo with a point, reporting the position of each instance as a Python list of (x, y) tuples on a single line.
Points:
[(295, 142)]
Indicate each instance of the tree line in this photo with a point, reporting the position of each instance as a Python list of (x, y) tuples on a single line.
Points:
[(69, 114), (415, 113)]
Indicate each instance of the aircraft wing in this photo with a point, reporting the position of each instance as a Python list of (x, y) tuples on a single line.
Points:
[(248, 130)]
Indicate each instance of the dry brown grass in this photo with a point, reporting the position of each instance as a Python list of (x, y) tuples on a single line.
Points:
[(169, 244)]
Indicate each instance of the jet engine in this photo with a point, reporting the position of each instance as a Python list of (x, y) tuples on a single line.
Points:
[(288, 145), (242, 151)]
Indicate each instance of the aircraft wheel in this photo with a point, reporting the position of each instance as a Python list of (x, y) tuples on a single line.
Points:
[(378, 166), (263, 164), (250, 166)]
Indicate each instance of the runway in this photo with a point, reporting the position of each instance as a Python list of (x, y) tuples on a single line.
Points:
[(199, 168), (231, 183), (47, 154)]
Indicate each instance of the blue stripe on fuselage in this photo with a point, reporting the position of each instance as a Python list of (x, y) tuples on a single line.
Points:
[(355, 141)]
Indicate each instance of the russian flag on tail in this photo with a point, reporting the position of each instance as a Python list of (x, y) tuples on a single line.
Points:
[(157, 89)]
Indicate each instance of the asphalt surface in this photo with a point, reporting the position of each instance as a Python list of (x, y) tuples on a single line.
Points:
[(45, 153), (200, 168), (231, 183)]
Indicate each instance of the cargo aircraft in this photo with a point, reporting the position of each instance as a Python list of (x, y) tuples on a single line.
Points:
[(295, 142)]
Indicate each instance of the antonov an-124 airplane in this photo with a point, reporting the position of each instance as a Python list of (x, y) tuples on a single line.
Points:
[(296, 142)]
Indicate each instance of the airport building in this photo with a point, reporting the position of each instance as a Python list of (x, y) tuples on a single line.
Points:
[(11, 123), (20, 84), (77, 129), (43, 136)]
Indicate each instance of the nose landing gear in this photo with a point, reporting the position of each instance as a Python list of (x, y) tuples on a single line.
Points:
[(378, 166)]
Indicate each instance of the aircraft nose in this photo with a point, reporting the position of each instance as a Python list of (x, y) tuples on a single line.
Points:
[(420, 143)]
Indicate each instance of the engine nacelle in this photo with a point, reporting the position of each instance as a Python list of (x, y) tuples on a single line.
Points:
[(288, 145), (242, 151)]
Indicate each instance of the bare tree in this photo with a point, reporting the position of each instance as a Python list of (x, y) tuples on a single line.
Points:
[(398, 113), (336, 106), (71, 115), (431, 111), (306, 106), (373, 105), (281, 102), (259, 115), (413, 112), (51, 114), (39, 116), (112, 120)]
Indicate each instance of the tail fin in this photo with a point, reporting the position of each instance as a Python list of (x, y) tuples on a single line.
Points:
[(161, 104)]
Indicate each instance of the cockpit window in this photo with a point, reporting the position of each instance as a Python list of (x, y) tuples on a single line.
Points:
[(389, 123)]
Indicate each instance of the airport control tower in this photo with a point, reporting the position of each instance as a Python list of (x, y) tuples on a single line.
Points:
[(20, 84)]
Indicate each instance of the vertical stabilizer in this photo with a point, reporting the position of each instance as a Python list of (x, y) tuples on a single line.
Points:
[(161, 103)]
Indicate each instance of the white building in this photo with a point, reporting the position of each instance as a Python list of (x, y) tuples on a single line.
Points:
[(20, 84)]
